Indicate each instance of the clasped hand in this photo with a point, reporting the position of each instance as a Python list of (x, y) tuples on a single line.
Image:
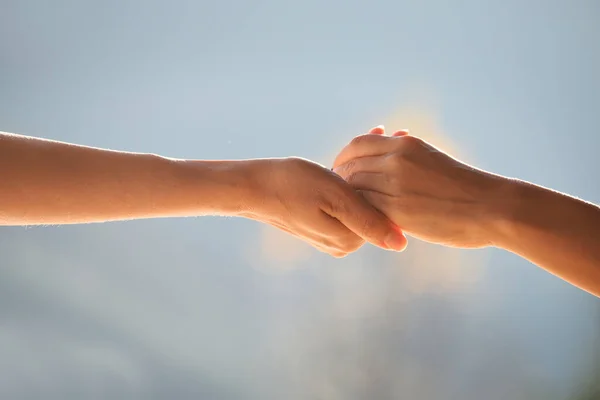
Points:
[(381, 187)]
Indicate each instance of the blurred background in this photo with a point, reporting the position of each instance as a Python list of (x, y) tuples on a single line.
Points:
[(217, 308)]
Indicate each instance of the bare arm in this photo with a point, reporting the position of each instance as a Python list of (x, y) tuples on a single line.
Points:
[(439, 199), (49, 182), (558, 232)]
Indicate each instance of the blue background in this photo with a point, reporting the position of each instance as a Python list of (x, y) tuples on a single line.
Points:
[(221, 308)]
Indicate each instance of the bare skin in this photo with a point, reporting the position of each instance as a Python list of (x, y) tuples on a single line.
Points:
[(49, 182), (439, 199), (422, 190)]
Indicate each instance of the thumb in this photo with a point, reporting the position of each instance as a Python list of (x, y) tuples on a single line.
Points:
[(367, 222)]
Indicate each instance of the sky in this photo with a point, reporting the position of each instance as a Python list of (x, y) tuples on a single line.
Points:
[(228, 309)]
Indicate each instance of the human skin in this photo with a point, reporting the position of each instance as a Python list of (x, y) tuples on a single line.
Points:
[(44, 182), (439, 199)]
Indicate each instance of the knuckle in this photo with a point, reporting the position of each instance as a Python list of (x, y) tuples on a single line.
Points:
[(337, 205), (361, 139), (353, 178), (293, 160), (373, 198), (357, 140), (348, 168), (298, 162), (368, 227), (408, 144), (375, 226), (290, 165), (395, 160)]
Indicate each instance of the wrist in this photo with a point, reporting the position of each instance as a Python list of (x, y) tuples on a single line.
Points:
[(224, 187), (505, 209)]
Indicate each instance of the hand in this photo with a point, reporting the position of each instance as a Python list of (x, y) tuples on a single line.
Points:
[(427, 193), (313, 203)]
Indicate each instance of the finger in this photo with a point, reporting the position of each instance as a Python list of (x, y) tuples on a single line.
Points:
[(337, 236), (331, 234), (403, 132), (327, 234), (364, 164), (364, 146), (327, 250), (283, 228), (352, 210), (378, 130), (324, 246), (333, 253), (372, 181), (382, 202), (377, 145)]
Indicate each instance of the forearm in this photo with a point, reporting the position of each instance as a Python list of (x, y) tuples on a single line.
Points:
[(47, 182), (554, 231)]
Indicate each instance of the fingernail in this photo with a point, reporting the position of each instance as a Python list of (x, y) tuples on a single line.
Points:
[(395, 241), (377, 128), (402, 132)]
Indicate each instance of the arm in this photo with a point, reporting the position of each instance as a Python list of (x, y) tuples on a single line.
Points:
[(558, 232), (439, 199), (49, 182)]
